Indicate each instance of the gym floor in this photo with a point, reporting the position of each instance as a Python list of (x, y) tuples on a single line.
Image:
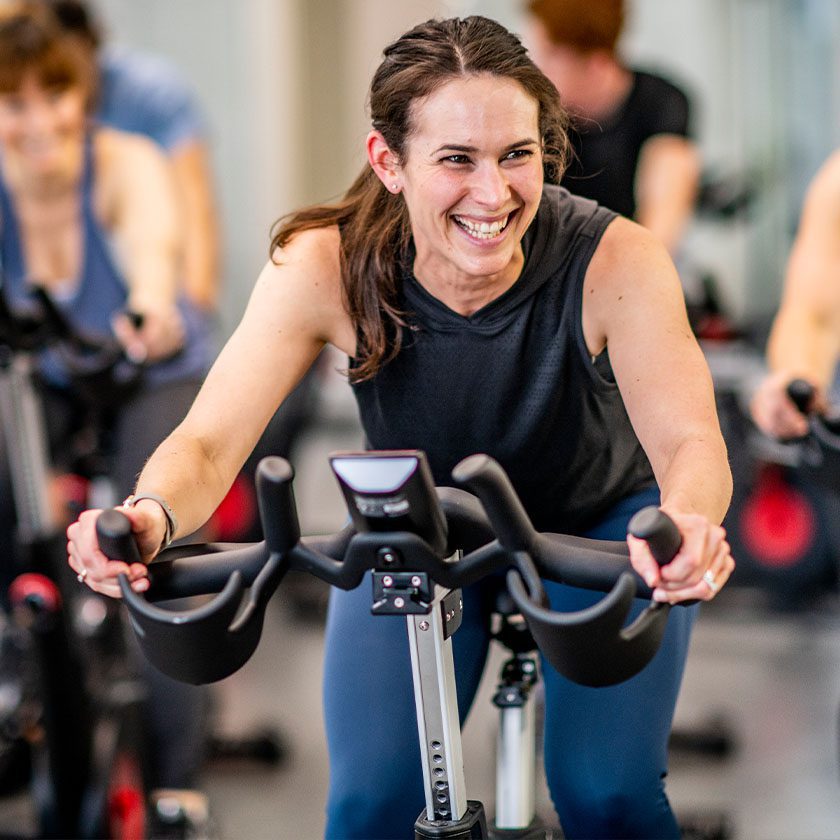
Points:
[(771, 680)]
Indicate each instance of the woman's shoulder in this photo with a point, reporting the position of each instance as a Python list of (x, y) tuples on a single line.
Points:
[(113, 147), (318, 249), (126, 163), (305, 274), (628, 255)]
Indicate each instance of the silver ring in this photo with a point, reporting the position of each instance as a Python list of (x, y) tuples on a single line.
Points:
[(709, 580), (82, 575)]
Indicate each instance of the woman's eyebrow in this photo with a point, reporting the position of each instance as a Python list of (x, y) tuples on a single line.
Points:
[(457, 147)]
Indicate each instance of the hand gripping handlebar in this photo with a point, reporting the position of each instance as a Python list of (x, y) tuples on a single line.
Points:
[(819, 450), (488, 524), (100, 370)]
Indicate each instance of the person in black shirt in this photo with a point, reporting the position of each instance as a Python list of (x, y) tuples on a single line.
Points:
[(631, 138), (483, 308)]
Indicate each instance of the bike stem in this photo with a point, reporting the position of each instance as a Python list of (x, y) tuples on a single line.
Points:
[(433, 614), (436, 701)]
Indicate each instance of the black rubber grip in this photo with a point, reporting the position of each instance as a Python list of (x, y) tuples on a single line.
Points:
[(276, 499), (485, 477), (116, 540), (801, 394), (658, 530), (136, 318)]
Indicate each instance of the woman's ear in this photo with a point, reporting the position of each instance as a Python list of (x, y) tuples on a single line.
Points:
[(384, 162)]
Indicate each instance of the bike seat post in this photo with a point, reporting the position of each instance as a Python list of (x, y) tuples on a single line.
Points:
[(516, 734)]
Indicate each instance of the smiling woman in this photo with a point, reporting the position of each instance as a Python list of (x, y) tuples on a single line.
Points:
[(483, 309), (469, 204)]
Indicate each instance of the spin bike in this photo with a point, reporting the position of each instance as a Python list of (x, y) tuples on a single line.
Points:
[(421, 545), (77, 714)]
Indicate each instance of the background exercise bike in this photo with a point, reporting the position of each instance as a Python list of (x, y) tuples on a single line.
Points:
[(403, 531), (72, 711)]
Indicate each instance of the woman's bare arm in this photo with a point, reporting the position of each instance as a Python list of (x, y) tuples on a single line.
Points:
[(295, 309), (633, 305)]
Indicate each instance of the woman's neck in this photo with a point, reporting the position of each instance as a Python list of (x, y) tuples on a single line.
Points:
[(37, 191), (610, 87), (464, 293)]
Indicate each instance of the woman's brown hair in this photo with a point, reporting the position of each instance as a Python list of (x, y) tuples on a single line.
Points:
[(374, 223), (31, 41)]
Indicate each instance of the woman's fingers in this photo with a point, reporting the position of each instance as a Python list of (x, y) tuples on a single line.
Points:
[(701, 567)]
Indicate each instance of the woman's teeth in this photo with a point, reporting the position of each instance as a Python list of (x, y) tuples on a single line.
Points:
[(482, 230)]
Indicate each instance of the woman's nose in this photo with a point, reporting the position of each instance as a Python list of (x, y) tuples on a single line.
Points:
[(490, 186)]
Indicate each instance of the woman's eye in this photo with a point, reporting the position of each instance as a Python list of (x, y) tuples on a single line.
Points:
[(459, 159), (519, 154)]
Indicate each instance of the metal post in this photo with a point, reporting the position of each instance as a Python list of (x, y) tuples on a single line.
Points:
[(515, 765), (23, 429), (436, 701)]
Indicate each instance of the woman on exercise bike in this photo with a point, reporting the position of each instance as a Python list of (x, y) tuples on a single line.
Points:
[(89, 215), (483, 309)]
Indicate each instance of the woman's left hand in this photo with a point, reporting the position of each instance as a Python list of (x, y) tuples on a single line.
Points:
[(699, 570), (159, 336)]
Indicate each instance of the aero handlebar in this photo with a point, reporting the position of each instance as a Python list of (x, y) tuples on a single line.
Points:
[(490, 529)]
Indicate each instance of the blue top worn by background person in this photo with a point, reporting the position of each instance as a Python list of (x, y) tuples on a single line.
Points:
[(146, 94), (91, 300)]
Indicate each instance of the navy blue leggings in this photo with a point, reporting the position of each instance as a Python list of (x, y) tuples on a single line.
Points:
[(605, 748)]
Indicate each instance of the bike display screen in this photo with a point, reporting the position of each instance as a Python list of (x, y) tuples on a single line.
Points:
[(391, 491)]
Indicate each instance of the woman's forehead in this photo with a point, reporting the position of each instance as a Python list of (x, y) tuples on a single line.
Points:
[(485, 104)]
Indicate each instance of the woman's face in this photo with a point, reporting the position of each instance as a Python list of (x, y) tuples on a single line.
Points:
[(472, 178), (41, 128)]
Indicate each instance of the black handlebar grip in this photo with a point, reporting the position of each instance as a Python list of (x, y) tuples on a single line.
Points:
[(116, 540), (276, 498), (801, 394), (658, 530), (136, 318), (510, 522)]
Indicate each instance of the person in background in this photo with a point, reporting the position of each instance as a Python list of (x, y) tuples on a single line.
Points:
[(631, 140), (145, 94), (804, 340), (460, 280), (91, 215)]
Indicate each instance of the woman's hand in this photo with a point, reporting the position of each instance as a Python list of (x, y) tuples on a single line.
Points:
[(773, 410), (148, 524), (159, 336), (701, 567)]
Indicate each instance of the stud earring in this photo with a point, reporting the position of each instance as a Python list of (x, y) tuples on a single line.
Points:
[(395, 188)]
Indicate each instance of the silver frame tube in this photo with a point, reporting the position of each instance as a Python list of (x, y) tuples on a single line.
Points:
[(438, 726)]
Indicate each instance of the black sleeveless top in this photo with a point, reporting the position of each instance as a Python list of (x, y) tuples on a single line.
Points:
[(515, 381)]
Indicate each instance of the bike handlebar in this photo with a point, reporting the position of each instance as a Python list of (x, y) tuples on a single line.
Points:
[(492, 530), (819, 450)]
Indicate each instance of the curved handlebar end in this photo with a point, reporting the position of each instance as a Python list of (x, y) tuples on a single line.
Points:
[(801, 394), (116, 539), (485, 477), (658, 530), (276, 499)]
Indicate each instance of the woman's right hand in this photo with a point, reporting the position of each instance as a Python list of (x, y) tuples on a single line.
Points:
[(148, 524), (774, 412), (159, 335)]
